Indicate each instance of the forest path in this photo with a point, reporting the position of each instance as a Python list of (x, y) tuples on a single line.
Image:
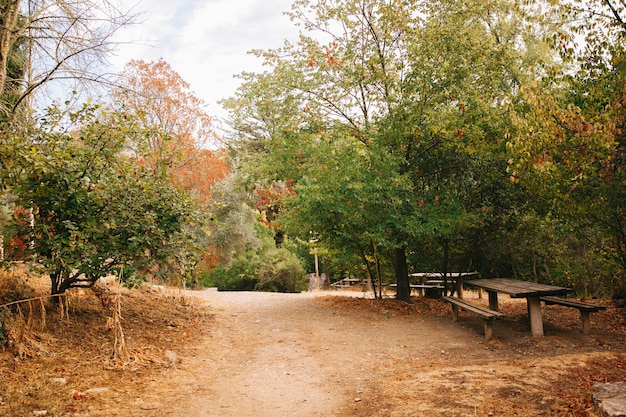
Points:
[(273, 355)]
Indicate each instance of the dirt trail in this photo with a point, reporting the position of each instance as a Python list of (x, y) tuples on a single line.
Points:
[(278, 355), (274, 355)]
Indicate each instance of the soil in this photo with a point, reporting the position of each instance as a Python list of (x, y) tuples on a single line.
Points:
[(210, 354)]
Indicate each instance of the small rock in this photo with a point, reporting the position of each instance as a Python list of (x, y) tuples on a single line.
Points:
[(610, 398), (151, 406), (172, 356), (97, 390), (40, 413), (357, 400), (60, 380)]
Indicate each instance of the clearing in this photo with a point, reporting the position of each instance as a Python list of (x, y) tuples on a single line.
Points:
[(216, 354)]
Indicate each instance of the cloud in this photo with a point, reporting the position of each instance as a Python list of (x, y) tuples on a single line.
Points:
[(206, 41)]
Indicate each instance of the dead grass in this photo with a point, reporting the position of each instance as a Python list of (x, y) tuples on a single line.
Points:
[(63, 356), (104, 353), (551, 376)]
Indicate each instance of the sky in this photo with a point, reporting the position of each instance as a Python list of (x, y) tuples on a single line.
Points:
[(205, 41)]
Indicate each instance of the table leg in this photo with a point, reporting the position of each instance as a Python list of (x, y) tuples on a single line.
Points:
[(534, 313), (493, 300)]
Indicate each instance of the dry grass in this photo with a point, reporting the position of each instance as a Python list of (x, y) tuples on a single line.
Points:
[(110, 338)]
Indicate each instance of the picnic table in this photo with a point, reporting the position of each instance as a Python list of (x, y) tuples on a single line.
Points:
[(430, 279), (346, 283), (532, 291)]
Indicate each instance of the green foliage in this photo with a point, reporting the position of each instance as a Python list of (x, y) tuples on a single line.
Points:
[(240, 275), (281, 271), (266, 268), (232, 229), (398, 128), (452, 131), (95, 208)]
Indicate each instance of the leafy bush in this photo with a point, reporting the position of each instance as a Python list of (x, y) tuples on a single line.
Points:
[(239, 275), (265, 269), (280, 270)]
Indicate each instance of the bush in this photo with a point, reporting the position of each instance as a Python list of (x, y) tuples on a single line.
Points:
[(275, 269), (281, 271), (239, 275)]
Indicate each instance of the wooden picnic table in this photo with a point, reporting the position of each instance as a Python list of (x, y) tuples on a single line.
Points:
[(346, 282), (454, 278), (532, 291)]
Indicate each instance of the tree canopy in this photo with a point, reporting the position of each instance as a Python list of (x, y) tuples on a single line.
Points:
[(390, 136), (436, 134)]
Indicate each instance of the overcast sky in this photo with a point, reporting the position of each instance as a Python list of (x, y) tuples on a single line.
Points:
[(206, 41)]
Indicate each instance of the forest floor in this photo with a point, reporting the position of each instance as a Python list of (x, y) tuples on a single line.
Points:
[(209, 354)]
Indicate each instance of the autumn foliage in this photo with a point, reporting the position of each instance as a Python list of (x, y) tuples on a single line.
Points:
[(187, 140)]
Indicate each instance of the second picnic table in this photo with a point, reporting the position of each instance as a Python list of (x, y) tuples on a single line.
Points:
[(520, 289), (438, 279)]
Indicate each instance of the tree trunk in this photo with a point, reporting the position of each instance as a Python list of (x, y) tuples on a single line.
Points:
[(368, 268), (402, 275), (446, 267), (7, 32)]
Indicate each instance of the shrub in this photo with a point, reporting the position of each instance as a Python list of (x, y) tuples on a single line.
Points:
[(280, 270)]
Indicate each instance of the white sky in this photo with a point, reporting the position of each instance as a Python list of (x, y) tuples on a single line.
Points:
[(206, 41)]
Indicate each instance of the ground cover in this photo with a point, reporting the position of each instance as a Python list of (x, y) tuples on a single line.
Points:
[(209, 353)]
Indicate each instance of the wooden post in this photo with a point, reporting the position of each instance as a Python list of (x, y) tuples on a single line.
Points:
[(493, 300), (584, 318), (534, 312), (455, 312), (488, 330), (317, 270)]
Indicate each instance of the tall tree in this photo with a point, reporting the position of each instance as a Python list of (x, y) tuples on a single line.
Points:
[(568, 144), (406, 86), (183, 135)]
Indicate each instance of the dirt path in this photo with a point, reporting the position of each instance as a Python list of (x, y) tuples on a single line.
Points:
[(272, 354), (275, 355)]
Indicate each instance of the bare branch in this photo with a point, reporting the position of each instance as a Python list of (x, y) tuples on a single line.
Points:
[(63, 40)]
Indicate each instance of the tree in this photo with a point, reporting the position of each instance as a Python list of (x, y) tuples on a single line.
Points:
[(568, 151), (96, 211), (233, 221), (55, 41), (567, 146), (183, 131), (415, 91)]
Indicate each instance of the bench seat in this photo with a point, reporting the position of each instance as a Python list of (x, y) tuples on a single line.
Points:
[(426, 286), (487, 314), (585, 309), (418, 286)]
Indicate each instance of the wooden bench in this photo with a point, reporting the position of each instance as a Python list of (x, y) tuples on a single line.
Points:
[(487, 315), (440, 281), (585, 309), (346, 283), (426, 286), (420, 287)]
